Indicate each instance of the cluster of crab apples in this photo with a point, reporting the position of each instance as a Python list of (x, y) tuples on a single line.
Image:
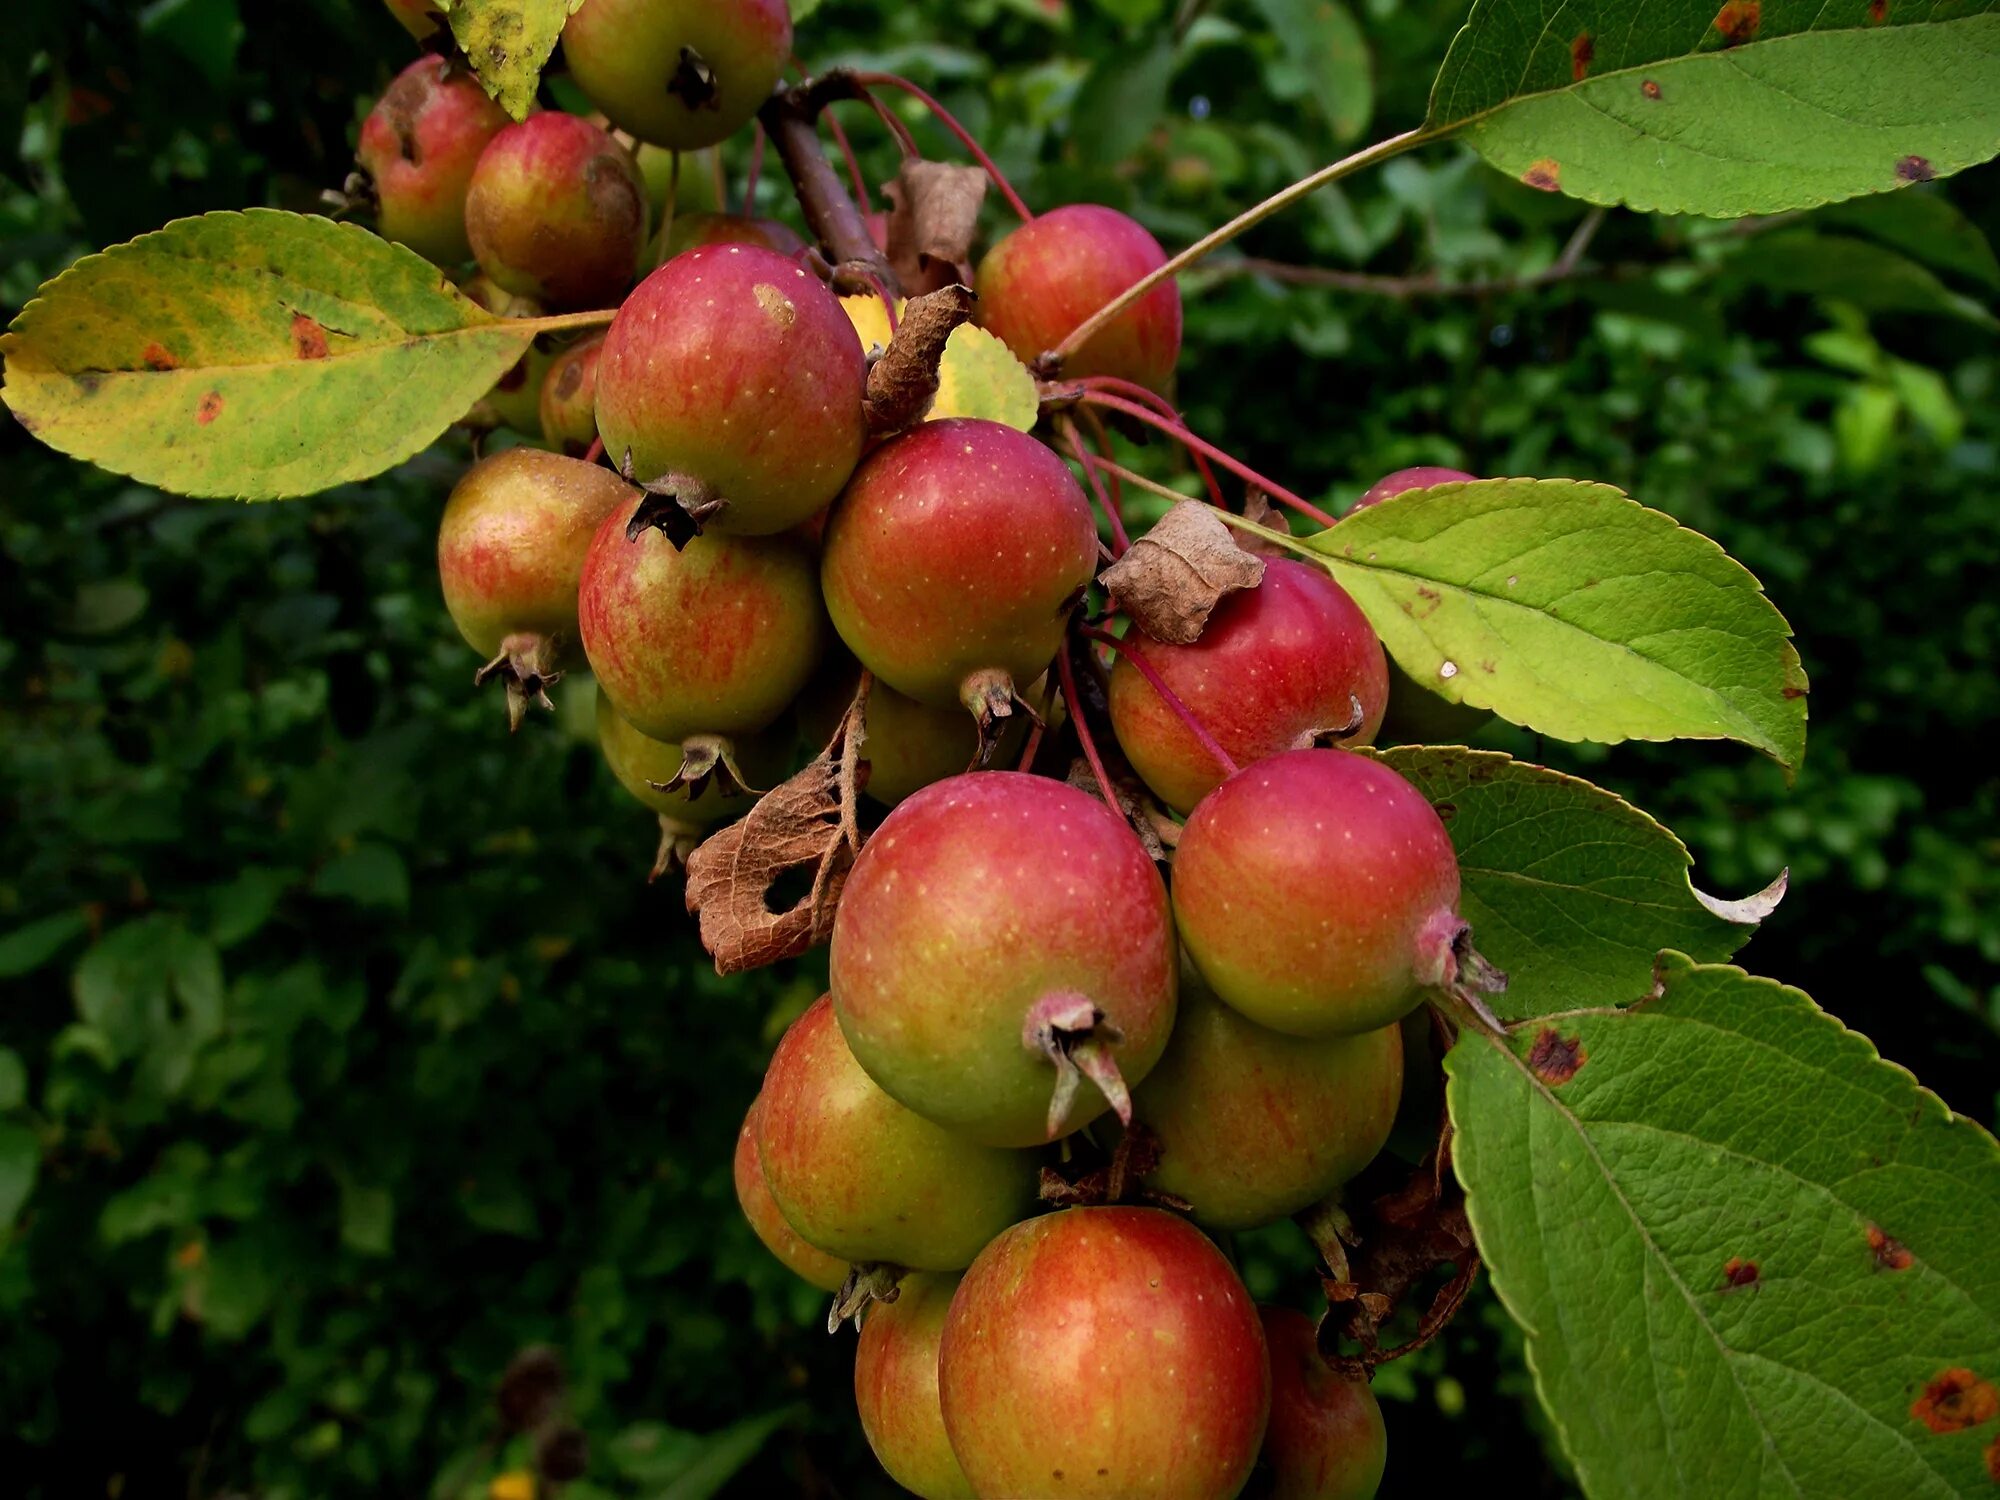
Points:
[(1015, 985)]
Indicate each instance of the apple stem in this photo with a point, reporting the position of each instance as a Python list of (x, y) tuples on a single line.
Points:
[(1119, 540), (595, 451), (853, 163), (1067, 1028), (1168, 696), (756, 170), (1119, 386), (1067, 676), (1196, 444), (1277, 203), (945, 118)]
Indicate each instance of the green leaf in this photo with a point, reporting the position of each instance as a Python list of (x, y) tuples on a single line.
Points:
[(254, 355), (509, 42), (367, 1218), (1120, 103), (26, 949), (367, 875), (723, 1454), (1571, 890), (1872, 277), (1926, 226), (1323, 43), (13, 1079), (1690, 106), (1571, 609), (1741, 1244), (495, 1201), (20, 1163)]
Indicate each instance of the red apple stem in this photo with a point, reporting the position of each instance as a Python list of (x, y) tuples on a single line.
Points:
[(1131, 389), (1119, 540), (595, 451), (1067, 1028), (1100, 439), (888, 299), (853, 163), (756, 170), (945, 118), (1201, 445), (1067, 676), (1168, 696)]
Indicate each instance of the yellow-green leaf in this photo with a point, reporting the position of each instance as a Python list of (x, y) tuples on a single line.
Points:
[(979, 376), (509, 42), (253, 355)]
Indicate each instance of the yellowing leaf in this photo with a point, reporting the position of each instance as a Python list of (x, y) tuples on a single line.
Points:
[(253, 355), (509, 43), (979, 377)]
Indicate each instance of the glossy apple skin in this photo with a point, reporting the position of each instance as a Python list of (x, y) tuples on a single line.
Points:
[(912, 745), (1275, 666), (896, 1388), (692, 231), (1307, 889), (813, 1266), (638, 760), (733, 365), (624, 53), (958, 547), (569, 398), (512, 543), (557, 212), (717, 637), (1104, 1352), (419, 146), (1257, 1125), (1403, 480), (977, 897), (861, 1177), (1326, 1440), (1041, 281)]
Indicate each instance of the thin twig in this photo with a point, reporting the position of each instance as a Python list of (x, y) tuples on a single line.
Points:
[(1131, 389), (1235, 466), (1168, 696), (1068, 679), (1119, 540), (965, 137)]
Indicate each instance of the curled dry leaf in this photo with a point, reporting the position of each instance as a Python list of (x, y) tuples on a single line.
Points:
[(1172, 578), (935, 218), (806, 823), (1259, 511), (903, 382)]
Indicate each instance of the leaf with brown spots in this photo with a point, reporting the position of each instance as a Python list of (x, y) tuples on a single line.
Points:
[(1680, 1231), (1555, 1058), (252, 355), (1726, 108), (1890, 1254), (509, 42), (1171, 579), (806, 825)]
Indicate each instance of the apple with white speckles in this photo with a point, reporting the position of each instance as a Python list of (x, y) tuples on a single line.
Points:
[(1001, 938)]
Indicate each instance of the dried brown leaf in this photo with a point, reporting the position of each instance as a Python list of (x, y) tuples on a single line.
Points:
[(934, 219), (902, 383), (1258, 509), (1171, 579)]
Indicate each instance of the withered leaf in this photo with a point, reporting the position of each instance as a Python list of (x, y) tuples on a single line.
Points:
[(935, 216), (902, 383), (1259, 511), (806, 823), (1171, 579)]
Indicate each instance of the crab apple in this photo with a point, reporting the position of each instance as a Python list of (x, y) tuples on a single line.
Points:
[(733, 379), (1326, 1440), (418, 146), (679, 73), (911, 745), (423, 19), (761, 1209), (510, 551), (691, 785), (896, 1388), (1276, 668), (692, 231), (1254, 1125), (863, 1178), (953, 559), (1420, 478), (1317, 893), (1104, 1352), (569, 398), (557, 211), (1000, 937), (715, 638), (1044, 279), (516, 397)]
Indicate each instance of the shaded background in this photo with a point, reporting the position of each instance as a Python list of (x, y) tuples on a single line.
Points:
[(344, 1052)]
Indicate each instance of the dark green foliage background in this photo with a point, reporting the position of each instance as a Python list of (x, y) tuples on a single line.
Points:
[(343, 1051)]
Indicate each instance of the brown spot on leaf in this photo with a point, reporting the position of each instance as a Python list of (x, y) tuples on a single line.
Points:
[(1792, 692), (1915, 169), (1581, 53), (157, 358), (308, 338), (1545, 174), (1738, 21), (1171, 579), (1955, 1400), (1737, 1272), (1878, 12), (1650, 89), (1554, 1058), (209, 409), (1890, 1254)]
